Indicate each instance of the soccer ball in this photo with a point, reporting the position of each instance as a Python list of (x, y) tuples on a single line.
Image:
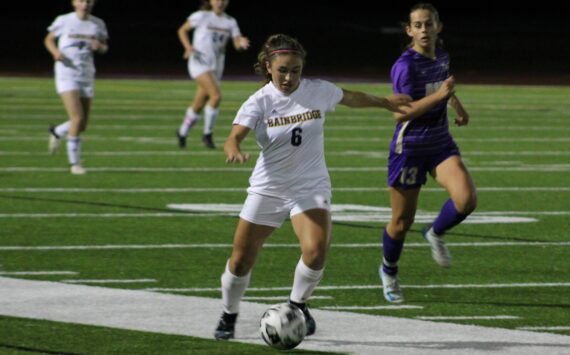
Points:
[(282, 326)]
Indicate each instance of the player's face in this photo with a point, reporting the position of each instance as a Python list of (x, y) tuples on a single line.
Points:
[(83, 6), (285, 70), (423, 29), (219, 6)]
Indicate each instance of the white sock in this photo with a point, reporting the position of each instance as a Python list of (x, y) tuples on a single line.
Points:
[(73, 149), (233, 288), (189, 121), (305, 281), (210, 116), (62, 129)]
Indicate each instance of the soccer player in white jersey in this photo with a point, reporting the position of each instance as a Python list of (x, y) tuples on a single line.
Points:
[(72, 40), (290, 178), (206, 57)]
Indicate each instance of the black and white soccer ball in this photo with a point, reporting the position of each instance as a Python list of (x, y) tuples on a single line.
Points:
[(283, 326)]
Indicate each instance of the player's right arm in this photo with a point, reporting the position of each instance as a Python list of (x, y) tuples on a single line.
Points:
[(232, 145), (184, 39), (51, 46), (423, 105)]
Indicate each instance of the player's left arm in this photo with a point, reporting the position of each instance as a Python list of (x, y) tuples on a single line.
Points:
[(462, 118), (241, 43), (99, 45)]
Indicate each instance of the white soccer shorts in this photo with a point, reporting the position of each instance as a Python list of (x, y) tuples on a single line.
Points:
[(85, 88)]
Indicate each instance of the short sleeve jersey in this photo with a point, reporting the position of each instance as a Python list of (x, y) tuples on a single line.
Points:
[(289, 131), (74, 37), (419, 76), (212, 32)]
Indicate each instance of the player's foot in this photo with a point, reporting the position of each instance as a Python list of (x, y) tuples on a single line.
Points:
[(226, 326), (54, 139), (309, 320), (208, 141), (439, 250), (391, 287), (77, 169), (181, 140)]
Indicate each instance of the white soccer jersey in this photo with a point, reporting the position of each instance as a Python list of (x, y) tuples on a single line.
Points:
[(74, 41), (211, 32), (289, 130)]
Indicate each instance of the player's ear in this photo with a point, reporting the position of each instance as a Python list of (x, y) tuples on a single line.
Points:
[(268, 66), (409, 31), (439, 27)]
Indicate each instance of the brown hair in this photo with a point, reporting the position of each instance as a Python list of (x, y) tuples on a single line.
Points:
[(205, 6), (428, 7), (274, 45)]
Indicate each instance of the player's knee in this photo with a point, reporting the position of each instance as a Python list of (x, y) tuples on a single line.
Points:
[(401, 226), (240, 266), (467, 204), (315, 256)]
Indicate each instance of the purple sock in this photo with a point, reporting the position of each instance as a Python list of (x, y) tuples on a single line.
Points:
[(448, 218), (392, 250)]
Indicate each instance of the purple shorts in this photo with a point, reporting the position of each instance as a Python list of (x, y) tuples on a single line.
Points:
[(409, 172)]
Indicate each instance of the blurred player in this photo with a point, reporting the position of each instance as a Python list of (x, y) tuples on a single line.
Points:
[(79, 34), (206, 55), (423, 144), (290, 178)]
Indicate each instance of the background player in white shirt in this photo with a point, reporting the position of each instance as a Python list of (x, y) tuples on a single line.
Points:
[(79, 34), (206, 56), (290, 178)]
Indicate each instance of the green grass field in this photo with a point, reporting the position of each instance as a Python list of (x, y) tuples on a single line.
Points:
[(508, 275)]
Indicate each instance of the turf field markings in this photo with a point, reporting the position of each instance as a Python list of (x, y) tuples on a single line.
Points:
[(500, 169), (109, 281), (369, 308), (281, 298), (498, 317), (345, 332), (267, 245), (375, 287), (556, 328), (243, 189), (36, 273)]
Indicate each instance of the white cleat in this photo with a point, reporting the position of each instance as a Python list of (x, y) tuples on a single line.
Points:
[(439, 250), (78, 170), (53, 143), (391, 287)]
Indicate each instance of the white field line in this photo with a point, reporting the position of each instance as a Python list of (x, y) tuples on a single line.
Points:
[(467, 317), (109, 281), (369, 308), (374, 287), (501, 169), (371, 217), (328, 127), (267, 245), (545, 328), (280, 298), (36, 273), (243, 189), (365, 153), (345, 332), (166, 140)]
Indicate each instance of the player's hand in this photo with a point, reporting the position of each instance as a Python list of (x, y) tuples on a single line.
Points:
[(58, 57), (98, 46), (398, 103), (462, 120), (447, 88), (187, 53), (243, 43), (236, 157)]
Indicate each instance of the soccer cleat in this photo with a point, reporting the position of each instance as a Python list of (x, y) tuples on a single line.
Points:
[(309, 320), (391, 287), (77, 169), (181, 140), (439, 250), (54, 139), (226, 326), (208, 141)]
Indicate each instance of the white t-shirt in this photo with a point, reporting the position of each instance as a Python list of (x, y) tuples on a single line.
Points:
[(74, 41), (211, 32), (289, 130)]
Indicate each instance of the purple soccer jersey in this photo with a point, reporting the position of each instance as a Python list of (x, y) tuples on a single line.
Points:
[(419, 76)]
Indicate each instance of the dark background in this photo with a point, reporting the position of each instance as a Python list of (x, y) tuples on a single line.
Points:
[(489, 41)]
